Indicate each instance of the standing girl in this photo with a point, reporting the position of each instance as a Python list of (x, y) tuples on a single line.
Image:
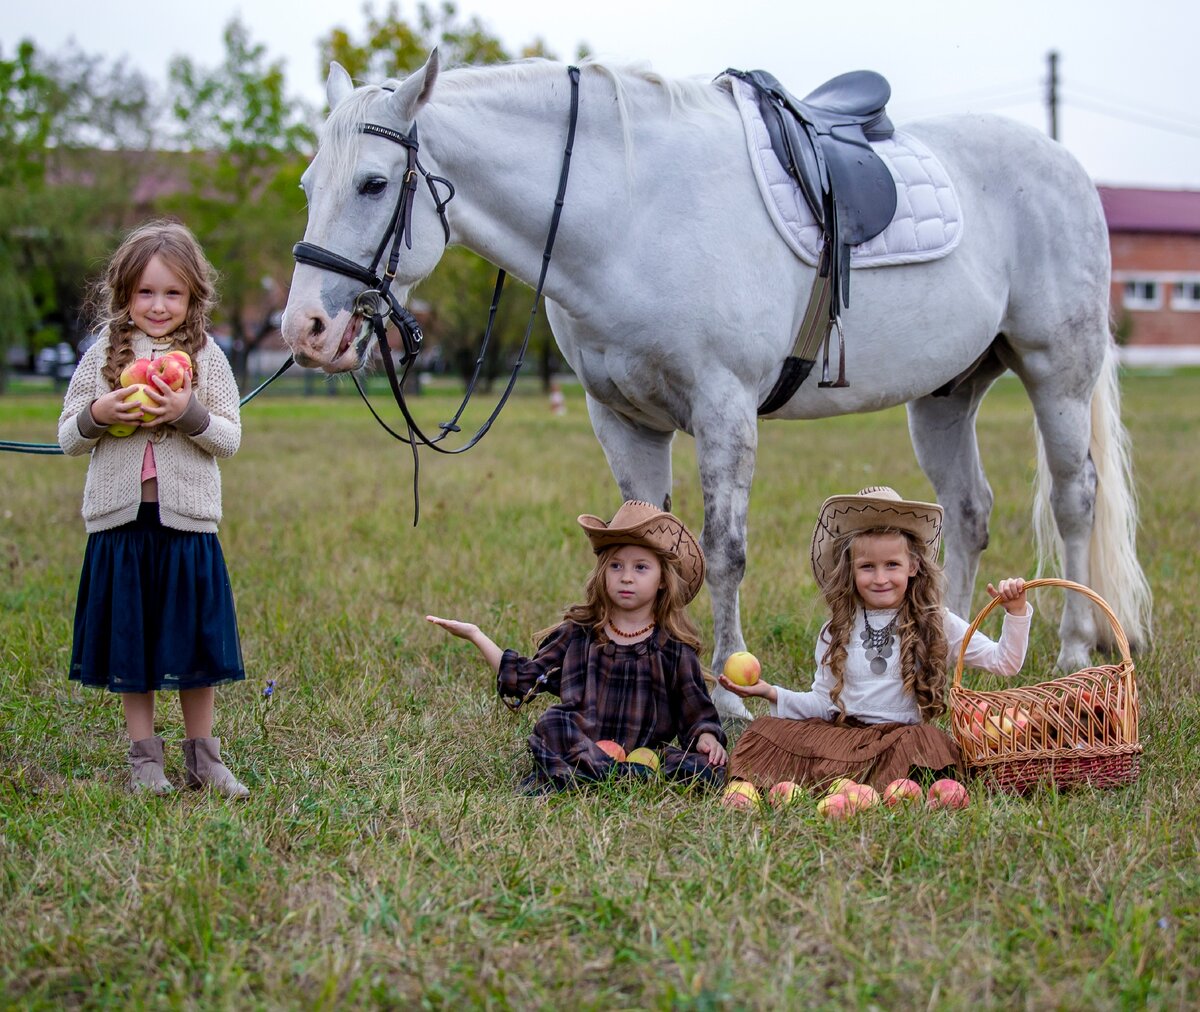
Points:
[(155, 610), (623, 662), (881, 657)]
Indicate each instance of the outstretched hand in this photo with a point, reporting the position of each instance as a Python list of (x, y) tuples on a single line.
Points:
[(472, 633), (764, 690), (1011, 593)]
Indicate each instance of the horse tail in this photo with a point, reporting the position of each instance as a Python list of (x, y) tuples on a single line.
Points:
[(1113, 569)]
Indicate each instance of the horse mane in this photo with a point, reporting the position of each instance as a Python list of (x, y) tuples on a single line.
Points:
[(340, 137)]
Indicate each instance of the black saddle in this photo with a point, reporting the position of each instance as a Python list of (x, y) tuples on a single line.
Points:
[(824, 143)]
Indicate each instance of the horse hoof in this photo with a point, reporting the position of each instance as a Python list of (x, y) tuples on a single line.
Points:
[(729, 706)]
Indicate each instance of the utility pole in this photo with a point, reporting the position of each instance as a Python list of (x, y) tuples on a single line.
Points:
[(1052, 93)]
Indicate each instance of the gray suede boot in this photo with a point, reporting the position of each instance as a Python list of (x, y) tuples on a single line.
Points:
[(202, 756), (146, 767)]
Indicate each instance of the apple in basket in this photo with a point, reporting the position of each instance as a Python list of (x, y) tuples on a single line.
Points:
[(611, 748), (742, 668)]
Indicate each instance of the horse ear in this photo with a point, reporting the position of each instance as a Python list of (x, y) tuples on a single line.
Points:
[(337, 85), (414, 90)]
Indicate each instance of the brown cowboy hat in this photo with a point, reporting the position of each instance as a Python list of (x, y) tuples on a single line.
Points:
[(873, 507), (640, 523)]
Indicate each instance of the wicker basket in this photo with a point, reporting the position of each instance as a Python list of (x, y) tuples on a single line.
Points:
[(1082, 728)]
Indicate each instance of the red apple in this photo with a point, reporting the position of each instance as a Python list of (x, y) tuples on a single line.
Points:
[(643, 757), (783, 793), (947, 793), (740, 794), (171, 369), (612, 748), (836, 807), (742, 668), (902, 792), (860, 796), (135, 373)]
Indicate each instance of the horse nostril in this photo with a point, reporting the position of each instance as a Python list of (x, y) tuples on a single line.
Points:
[(317, 328)]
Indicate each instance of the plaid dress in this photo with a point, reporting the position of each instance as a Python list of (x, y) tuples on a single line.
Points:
[(644, 694)]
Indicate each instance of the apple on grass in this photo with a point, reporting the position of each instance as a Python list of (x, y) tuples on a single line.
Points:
[(742, 668), (947, 793), (835, 807), (902, 792), (838, 786), (643, 757), (740, 794), (784, 793), (612, 748), (860, 796)]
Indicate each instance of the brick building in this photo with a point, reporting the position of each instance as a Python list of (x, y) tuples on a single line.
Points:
[(1155, 240)]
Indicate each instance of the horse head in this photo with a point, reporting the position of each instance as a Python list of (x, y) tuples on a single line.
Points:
[(371, 227)]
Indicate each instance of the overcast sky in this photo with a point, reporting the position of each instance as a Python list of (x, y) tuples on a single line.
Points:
[(1129, 69)]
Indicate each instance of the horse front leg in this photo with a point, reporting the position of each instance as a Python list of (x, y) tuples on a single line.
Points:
[(639, 458), (726, 444)]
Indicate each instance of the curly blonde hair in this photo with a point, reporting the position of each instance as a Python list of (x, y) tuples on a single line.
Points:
[(670, 611), (919, 622), (112, 296)]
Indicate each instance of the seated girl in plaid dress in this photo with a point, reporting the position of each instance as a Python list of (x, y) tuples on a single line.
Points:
[(623, 661)]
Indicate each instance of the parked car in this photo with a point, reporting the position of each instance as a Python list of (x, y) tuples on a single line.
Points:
[(57, 361)]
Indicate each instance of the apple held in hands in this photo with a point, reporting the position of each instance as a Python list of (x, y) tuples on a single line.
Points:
[(140, 395), (174, 367), (742, 668), (136, 373)]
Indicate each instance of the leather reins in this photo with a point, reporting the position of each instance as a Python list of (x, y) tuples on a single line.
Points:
[(379, 305)]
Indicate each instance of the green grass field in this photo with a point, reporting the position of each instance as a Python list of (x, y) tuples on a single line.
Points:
[(383, 859)]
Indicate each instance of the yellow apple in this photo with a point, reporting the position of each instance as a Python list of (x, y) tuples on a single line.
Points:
[(838, 786), (643, 757), (740, 794), (742, 668), (139, 395)]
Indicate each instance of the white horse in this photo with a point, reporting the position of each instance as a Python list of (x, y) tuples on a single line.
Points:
[(675, 300)]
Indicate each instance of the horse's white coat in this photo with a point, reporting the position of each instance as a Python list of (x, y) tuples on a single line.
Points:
[(675, 300)]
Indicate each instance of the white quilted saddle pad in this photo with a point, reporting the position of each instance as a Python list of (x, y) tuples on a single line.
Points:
[(928, 222)]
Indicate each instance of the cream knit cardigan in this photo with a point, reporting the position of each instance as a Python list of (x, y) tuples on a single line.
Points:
[(189, 482)]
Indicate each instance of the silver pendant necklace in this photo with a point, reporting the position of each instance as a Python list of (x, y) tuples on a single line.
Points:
[(877, 643)]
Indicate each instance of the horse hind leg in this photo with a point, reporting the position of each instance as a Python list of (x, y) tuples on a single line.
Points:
[(1086, 513), (942, 430)]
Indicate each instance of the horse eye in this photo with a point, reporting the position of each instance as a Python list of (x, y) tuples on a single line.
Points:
[(374, 185)]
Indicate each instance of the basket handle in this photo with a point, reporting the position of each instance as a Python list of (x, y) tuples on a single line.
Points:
[(1122, 640)]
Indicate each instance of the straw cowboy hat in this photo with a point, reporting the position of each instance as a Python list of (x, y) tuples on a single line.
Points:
[(640, 523), (873, 507)]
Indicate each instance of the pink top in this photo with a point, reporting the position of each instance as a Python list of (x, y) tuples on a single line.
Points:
[(148, 469)]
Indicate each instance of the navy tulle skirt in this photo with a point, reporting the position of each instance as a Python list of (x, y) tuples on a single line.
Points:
[(155, 610)]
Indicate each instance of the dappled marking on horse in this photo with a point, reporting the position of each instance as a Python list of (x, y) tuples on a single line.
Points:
[(675, 300)]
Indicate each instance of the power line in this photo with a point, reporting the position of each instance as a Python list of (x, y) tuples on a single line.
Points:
[(1148, 120)]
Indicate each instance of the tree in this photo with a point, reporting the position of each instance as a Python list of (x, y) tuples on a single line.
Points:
[(249, 143), (459, 291), (61, 200)]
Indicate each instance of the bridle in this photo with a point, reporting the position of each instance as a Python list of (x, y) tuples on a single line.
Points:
[(379, 305)]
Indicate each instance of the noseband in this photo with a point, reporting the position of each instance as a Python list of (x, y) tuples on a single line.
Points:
[(379, 305)]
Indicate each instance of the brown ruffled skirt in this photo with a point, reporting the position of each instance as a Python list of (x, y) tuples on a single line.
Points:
[(815, 752)]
